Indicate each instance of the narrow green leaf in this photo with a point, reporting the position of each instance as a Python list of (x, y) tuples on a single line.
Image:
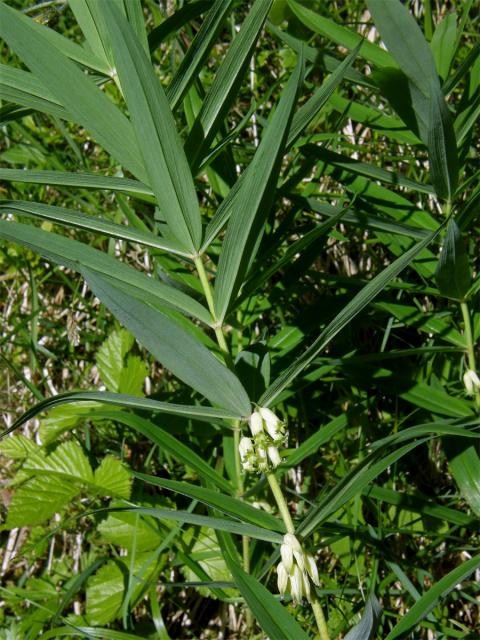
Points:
[(225, 85), (433, 597), (155, 129), (77, 220), (352, 309), (453, 272), (301, 119), (198, 51), (193, 363), (220, 524), (464, 463), (254, 199), (436, 400), (366, 628), (176, 21), (339, 34), (273, 618), (85, 103), (206, 414), (442, 145), (405, 41), (82, 180), (171, 445), (78, 256), (21, 87), (226, 504), (443, 44)]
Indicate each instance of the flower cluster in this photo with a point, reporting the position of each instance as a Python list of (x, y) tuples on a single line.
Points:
[(296, 569), (471, 382), (261, 450)]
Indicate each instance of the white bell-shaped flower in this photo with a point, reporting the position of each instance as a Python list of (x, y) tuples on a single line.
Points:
[(312, 570), (471, 381), (296, 582), (256, 423), (274, 456), (273, 424), (282, 578)]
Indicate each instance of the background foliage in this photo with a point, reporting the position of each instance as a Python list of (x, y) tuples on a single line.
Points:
[(356, 158)]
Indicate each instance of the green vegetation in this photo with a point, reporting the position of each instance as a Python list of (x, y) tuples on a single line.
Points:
[(240, 301)]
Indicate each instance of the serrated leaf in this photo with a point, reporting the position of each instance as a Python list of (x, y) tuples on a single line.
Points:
[(112, 478), (133, 376), (17, 447), (64, 418), (67, 461), (453, 271), (123, 528), (206, 552), (105, 590), (38, 499), (111, 355)]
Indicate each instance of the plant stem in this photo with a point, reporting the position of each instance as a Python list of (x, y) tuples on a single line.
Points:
[(287, 519), (281, 502), (222, 343), (319, 617), (467, 323), (207, 289)]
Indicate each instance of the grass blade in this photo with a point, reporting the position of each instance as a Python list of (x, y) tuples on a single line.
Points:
[(155, 129)]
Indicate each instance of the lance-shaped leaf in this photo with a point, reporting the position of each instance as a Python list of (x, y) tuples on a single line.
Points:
[(353, 308), (254, 199), (77, 256), (176, 349), (21, 87), (433, 597), (80, 180), (302, 118), (78, 220), (366, 628), (272, 617), (198, 51), (225, 85), (84, 102), (406, 43), (453, 271), (155, 129)]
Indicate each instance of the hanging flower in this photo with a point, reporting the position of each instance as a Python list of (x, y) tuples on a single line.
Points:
[(471, 381), (296, 569)]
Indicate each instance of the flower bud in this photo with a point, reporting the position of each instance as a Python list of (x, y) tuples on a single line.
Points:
[(286, 552), (274, 456), (282, 578), (296, 581), (471, 381), (272, 423), (256, 423), (262, 459), (312, 570)]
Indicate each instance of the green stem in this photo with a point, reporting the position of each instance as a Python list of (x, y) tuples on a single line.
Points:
[(207, 290), (319, 617), (287, 519), (467, 323), (281, 502)]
